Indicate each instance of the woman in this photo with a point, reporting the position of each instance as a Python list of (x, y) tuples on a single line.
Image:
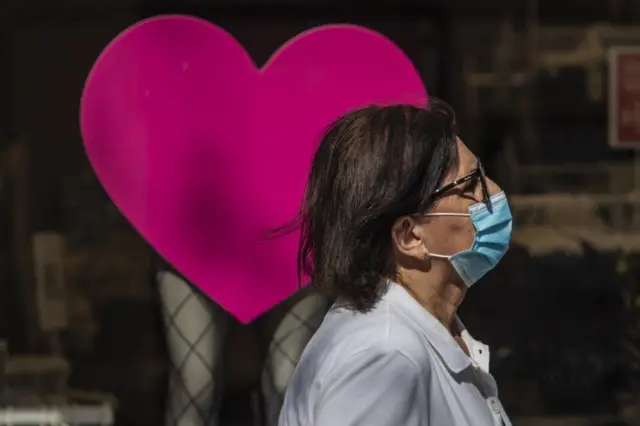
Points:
[(398, 222)]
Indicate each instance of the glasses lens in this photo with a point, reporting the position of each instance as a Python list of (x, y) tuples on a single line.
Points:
[(483, 182)]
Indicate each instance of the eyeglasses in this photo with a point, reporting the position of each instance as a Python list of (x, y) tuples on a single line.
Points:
[(477, 173)]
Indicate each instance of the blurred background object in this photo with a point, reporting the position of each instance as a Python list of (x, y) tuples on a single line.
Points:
[(547, 94)]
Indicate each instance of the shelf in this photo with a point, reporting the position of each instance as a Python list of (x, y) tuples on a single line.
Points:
[(58, 416)]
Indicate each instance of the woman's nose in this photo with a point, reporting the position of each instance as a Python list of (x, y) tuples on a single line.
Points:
[(492, 187)]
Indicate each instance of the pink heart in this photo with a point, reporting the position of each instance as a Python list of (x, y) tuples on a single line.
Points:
[(204, 153)]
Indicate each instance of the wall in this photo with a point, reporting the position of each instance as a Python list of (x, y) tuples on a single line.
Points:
[(49, 62)]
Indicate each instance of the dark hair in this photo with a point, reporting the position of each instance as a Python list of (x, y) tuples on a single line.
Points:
[(373, 166)]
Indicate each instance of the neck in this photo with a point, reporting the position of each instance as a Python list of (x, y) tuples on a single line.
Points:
[(440, 300)]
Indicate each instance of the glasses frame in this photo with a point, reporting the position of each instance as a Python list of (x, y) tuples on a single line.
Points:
[(477, 173)]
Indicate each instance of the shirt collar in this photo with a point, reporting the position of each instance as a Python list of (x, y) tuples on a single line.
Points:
[(435, 332)]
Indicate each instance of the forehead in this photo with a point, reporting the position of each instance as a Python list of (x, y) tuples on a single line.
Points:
[(467, 162), (466, 159)]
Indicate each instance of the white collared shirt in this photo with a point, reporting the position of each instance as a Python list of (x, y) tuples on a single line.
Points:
[(396, 365)]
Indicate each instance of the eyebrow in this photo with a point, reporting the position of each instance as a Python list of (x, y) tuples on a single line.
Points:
[(473, 164), (467, 171)]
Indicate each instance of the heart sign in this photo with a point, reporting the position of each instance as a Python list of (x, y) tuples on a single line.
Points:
[(204, 153)]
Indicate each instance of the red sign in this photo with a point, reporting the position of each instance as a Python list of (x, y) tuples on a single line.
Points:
[(624, 97)]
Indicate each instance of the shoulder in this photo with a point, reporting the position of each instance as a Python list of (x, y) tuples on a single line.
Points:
[(384, 360), (375, 366), (379, 336)]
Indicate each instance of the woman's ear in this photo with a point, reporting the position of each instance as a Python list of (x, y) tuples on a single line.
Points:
[(406, 234)]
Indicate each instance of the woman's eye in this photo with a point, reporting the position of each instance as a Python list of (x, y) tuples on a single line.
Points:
[(470, 187)]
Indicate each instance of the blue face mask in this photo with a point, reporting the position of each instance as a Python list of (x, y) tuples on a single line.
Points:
[(493, 232)]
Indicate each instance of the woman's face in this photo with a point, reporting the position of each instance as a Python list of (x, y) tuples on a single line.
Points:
[(416, 238), (448, 235)]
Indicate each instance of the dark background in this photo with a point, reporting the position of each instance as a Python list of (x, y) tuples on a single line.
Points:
[(560, 315)]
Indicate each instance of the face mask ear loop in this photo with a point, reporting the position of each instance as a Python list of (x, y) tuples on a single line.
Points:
[(437, 256), (448, 214), (442, 256)]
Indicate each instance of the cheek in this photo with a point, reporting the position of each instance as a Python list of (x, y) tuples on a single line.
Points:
[(461, 235), (467, 234), (451, 235)]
